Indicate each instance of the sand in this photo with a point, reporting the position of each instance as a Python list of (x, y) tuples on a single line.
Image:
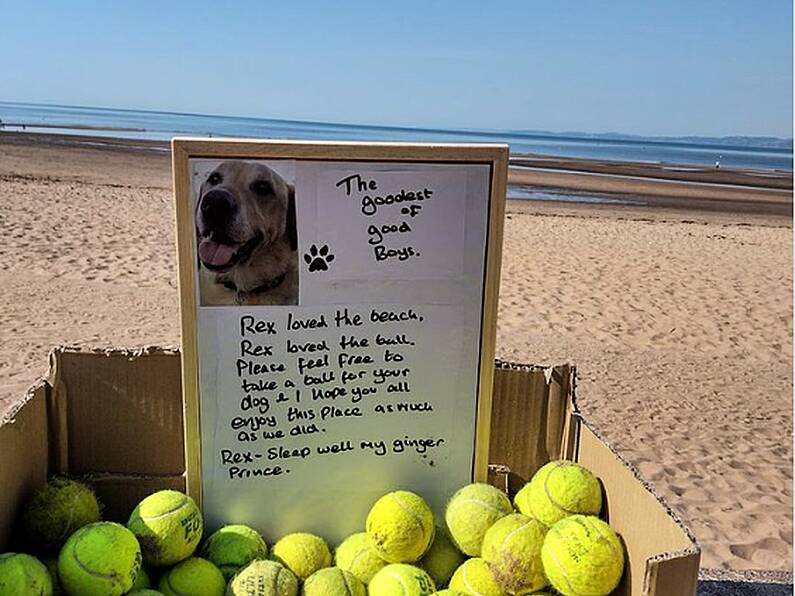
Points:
[(680, 321)]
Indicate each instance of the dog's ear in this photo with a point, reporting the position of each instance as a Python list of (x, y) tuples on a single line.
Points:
[(292, 229)]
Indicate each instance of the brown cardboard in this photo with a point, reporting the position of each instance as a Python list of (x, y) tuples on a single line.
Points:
[(115, 417)]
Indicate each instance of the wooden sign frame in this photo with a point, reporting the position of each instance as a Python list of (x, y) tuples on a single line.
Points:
[(186, 149)]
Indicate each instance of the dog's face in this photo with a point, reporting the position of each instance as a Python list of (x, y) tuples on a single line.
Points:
[(243, 207)]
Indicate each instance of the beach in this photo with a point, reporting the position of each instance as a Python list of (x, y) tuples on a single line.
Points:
[(674, 302)]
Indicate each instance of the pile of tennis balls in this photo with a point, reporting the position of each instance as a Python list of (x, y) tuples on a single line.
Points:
[(549, 538)]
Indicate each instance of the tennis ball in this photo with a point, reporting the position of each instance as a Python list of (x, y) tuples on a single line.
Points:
[(583, 555), (512, 548), (263, 577), (449, 592), (475, 577), (442, 559), (559, 489), (194, 576), (399, 579), (145, 592), (333, 581), (356, 554), (22, 574), (168, 524), (100, 559), (56, 511), (142, 580), (400, 527), (302, 553), (472, 511), (233, 547)]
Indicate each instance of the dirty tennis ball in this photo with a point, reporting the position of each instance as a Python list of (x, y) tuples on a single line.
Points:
[(472, 511), (258, 576), (474, 576), (333, 581), (233, 547), (356, 554), (400, 527), (302, 553), (583, 555), (400, 579), (559, 489), (512, 548), (57, 510), (100, 559), (24, 574), (442, 558), (168, 524), (194, 576)]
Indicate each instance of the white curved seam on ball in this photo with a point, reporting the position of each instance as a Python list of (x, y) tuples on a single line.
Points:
[(469, 586), (562, 570), (112, 577), (408, 510), (549, 496), (166, 513)]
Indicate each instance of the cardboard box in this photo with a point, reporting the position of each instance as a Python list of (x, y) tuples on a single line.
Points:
[(115, 416)]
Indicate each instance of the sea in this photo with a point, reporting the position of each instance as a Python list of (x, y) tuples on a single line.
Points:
[(761, 153)]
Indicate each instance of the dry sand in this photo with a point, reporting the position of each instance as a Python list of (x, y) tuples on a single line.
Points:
[(680, 321)]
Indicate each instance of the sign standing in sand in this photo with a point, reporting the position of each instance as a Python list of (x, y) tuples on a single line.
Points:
[(338, 315)]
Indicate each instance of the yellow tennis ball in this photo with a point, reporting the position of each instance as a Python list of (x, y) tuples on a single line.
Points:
[(442, 559), (302, 553), (583, 555), (512, 548), (258, 576), (145, 592), (356, 554), (233, 547), (559, 489), (100, 559), (400, 527), (400, 579), (23, 574), (169, 526), (475, 577), (194, 576), (472, 511), (57, 510), (333, 581), (449, 592)]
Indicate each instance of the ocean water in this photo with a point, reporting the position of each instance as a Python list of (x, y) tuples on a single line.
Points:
[(738, 152)]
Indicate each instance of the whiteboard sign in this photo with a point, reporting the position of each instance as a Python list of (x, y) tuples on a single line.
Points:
[(338, 306)]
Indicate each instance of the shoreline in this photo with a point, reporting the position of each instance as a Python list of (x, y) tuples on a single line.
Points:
[(738, 193)]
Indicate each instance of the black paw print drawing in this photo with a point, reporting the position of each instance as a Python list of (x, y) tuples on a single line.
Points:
[(318, 260)]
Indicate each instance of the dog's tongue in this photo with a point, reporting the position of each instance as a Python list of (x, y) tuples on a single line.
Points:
[(215, 254)]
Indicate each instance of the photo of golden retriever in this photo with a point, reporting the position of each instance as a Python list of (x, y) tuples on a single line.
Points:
[(246, 236)]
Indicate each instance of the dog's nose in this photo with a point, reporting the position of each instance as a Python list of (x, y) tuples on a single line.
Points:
[(218, 207)]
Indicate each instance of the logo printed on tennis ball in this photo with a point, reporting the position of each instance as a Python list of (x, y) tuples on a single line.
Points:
[(263, 577), (583, 555)]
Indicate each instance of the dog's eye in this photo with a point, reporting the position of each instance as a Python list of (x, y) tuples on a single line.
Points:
[(262, 188), (215, 178)]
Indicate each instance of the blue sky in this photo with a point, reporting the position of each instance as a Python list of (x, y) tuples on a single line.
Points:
[(667, 67)]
